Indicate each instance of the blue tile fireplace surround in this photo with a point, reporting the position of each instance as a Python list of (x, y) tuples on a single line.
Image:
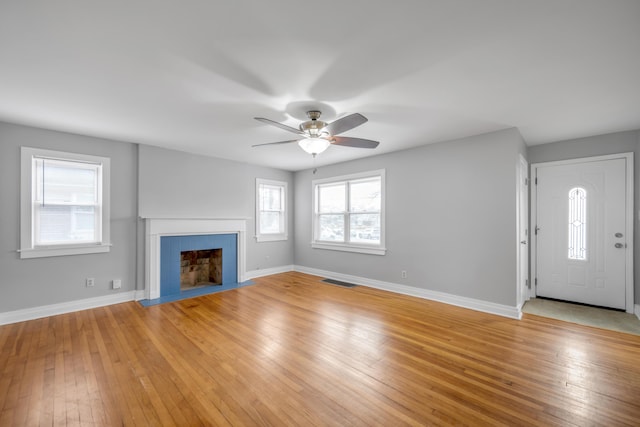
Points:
[(171, 248)]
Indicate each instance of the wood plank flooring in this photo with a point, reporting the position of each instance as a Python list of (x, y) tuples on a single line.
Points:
[(291, 350)]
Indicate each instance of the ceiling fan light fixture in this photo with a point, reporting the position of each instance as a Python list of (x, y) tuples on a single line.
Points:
[(314, 145)]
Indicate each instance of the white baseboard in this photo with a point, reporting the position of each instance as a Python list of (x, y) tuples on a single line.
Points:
[(637, 310), (66, 307), (140, 295), (268, 271), (473, 304)]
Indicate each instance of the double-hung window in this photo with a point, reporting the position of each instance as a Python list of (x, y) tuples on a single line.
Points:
[(348, 213), (271, 210), (65, 203)]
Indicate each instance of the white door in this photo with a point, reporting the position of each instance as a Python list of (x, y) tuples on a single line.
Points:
[(581, 241), (523, 232)]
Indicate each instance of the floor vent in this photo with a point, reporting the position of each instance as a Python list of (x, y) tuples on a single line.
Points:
[(339, 283)]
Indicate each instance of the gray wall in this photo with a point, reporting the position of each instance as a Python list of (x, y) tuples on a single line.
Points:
[(614, 143), (26, 283), (450, 218), (448, 205), (157, 182), (174, 184)]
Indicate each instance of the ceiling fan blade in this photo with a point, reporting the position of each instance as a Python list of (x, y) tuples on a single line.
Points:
[(276, 143), (346, 123), (280, 125), (347, 141)]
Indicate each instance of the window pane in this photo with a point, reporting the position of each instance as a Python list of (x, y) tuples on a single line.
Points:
[(270, 198), (270, 223), (271, 206), (578, 224), (348, 213), (66, 182), (365, 196), (332, 228), (331, 198), (365, 228), (66, 224)]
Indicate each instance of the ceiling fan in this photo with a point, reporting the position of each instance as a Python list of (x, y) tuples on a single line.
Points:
[(317, 136)]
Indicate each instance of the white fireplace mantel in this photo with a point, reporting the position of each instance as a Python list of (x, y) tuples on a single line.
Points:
[(155, 228)]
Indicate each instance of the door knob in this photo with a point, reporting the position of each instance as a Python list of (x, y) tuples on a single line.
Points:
[(524, 242), (618, 235), (618, 245)]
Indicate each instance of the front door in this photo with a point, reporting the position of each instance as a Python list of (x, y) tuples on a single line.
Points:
[(581, 232)]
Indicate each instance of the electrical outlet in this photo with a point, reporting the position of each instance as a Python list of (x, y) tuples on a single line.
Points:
[(403, 273), (90, 281), (116, 283)]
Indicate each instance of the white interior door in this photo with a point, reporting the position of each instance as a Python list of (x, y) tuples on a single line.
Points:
[(523, 231), (581, 232)]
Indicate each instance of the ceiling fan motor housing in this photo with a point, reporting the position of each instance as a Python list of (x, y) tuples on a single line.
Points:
[(314, 126)]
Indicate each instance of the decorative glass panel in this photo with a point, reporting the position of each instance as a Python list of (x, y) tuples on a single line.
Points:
[(578, 224)]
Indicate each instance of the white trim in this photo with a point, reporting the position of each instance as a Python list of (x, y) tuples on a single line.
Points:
[(27, 248), (470, 303), (263, 237), (522, 295), (63, 251), (379, 249), (155, 228), (629, 294), (65, 307), (268, 271), (362, 249), (271, 237)]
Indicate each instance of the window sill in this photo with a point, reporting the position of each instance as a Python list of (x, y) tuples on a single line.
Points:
[(350, 248), (271, 238), (64, 251)]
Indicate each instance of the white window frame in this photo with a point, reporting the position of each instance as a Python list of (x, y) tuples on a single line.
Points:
[(364, 248), (28, 248), (272, 237)]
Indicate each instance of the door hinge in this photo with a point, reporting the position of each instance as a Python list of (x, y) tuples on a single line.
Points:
[(536, 230), (526, 283), (536, 180), (536, 281), (526, 181)]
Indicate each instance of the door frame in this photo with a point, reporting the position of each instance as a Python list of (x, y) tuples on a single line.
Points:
[(522, 201), (629, 209)]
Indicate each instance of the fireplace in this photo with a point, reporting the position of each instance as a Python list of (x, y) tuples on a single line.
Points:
[(173, 248), (200, 268), (217, 240)]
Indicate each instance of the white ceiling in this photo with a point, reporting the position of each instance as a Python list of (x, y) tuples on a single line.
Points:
[(191, 75)]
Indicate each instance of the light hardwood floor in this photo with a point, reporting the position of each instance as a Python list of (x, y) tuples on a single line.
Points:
[(291, 350)]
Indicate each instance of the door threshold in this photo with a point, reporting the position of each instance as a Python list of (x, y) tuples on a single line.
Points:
[(582, 304)]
